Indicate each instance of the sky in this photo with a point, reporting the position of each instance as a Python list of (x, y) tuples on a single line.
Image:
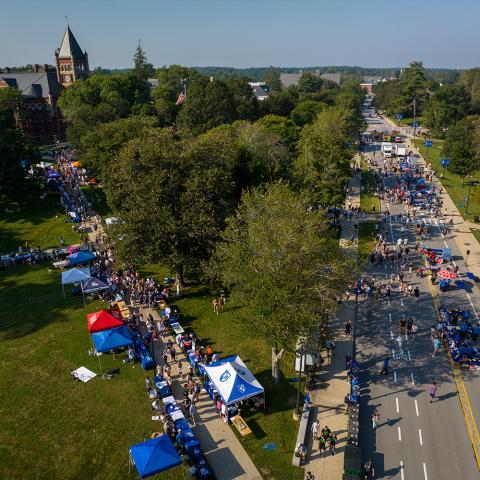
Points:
[(246, 33)]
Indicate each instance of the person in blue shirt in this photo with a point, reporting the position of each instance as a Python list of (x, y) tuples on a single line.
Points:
[(180, 439), (386, 363)]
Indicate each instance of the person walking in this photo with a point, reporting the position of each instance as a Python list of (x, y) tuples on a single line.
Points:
[(309, 476), (375, 419), (416, 293), (332, 441), (322, 446), (433, 391), (180, 368), (192, 413), (386, 364), (436, 346), (315, 429)]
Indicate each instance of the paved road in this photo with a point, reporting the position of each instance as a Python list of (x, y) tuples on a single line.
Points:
[(415, 439)]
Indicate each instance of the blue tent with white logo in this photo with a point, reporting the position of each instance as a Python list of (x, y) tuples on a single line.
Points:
[(154, 456), (112, 338), (233, 380), (83, 256)]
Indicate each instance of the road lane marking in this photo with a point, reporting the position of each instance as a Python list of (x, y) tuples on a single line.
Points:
[(425, 471), (390, 317), (413, 381), (409, 357), (420, 437), (395, 378), (399, 434), (416, 408), (401, 471), (393, 352), (401, 301), (396, 402), (391, 334)]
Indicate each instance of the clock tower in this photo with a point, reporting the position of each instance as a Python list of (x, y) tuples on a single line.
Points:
[(72, 63)]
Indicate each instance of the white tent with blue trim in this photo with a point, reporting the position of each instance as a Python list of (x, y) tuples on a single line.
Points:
[(233, 380)]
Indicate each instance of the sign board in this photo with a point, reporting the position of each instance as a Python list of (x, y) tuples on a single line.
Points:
[(428, 143), (415, 124), (445, 162), (399, 116)]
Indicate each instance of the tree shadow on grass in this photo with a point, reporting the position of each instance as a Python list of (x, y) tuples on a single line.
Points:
[(31, 298)]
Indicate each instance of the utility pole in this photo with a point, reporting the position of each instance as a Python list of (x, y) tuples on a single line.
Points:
[(414, 118)]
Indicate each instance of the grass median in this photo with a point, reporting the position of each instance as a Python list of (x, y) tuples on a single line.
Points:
[(366, 240), (369, 202)]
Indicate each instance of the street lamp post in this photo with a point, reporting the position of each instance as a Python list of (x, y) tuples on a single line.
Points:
[(299, 353), (473, 182)]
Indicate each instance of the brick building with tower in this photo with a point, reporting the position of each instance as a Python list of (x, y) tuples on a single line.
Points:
[(41, 119)]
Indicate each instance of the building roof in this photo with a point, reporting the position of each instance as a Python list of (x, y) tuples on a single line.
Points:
[(372, 79), (288, 79), (70, 47), (258, 90), (34, 84)]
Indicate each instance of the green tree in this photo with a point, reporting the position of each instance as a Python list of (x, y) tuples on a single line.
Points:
[(15, 148), (460, 147), (280, 103), (448, 105), (309, 83), (284, 128), (208, 104), (272, 79), (414, 86), (101, 99), (142, 68), (470, 79), (246, 103), (279, 260), (172, 207), (306, 112), (100, 145), (323, 166)]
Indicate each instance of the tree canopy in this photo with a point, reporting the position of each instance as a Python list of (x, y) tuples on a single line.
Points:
[(142, 68), (278, 259)]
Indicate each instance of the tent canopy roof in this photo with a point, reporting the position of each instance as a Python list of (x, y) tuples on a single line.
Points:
[(103, 320), (233, 380), (81, 257), (93, 284), (154, 456), (111, 339), (75, 275)]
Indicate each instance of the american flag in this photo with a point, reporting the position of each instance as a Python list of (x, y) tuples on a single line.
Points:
[(181, 98)]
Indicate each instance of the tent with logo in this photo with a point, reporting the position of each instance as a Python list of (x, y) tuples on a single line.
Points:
[(154, 456), (233, 380), (94, 284), (112, 338), (103, 320)]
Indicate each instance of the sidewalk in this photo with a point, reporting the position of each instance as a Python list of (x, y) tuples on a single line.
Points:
[(328, 399), (222, 449)]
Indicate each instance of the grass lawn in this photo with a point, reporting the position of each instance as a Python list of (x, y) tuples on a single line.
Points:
[(41, 223), (366, 239), (407, 121), (368, 200), (451, 181), (53, 427)]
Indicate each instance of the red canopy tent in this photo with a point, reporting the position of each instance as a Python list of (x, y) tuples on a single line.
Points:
[(103, 320)]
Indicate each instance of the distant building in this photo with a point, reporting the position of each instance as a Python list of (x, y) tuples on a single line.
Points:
[(289, 79), (369, 82), (152, 83), (260, 90), (42, 120)]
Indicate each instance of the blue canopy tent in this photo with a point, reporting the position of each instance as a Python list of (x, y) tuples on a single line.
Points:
[(112, 338), (83, 256), (154, 456), (233, 380), (74, 275)]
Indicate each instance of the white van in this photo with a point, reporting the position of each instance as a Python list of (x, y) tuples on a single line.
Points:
[(387, 149), (400, 150)]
